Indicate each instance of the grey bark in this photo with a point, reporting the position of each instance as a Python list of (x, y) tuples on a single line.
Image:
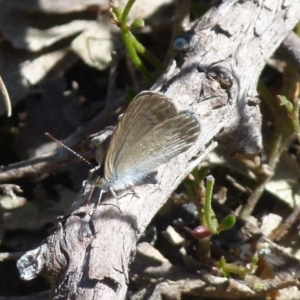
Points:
[(89, 254)]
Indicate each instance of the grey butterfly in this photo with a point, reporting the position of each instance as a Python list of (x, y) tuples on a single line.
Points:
[(150, 133)]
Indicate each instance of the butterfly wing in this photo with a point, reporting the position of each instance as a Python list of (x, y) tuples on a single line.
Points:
[(162, 143), (146, 110)]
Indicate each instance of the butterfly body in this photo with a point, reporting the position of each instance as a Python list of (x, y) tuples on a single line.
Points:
[(119, 184)]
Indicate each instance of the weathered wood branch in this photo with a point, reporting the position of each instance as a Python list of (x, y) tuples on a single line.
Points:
[(90, 252)]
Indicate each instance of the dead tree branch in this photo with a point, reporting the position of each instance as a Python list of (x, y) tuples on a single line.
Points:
[(90, 252)]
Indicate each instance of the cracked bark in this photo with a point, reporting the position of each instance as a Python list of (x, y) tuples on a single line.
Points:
[(88, 256)]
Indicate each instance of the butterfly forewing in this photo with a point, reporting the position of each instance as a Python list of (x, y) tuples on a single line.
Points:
[(165, 141), (146, 110)]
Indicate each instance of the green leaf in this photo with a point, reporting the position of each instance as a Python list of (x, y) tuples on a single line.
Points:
[(227, 223), (138, 23)]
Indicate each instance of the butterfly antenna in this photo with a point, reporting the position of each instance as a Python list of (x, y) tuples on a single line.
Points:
[(66, 147)]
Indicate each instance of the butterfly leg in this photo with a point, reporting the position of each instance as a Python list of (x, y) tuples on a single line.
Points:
[(116, 197), (100, 197), (134, 193), (88, 185)]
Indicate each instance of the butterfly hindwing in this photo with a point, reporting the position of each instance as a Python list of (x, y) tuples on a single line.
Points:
[(147, 110), (162, 143)]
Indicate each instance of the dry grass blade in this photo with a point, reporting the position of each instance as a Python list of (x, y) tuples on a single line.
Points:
[(5, 97)]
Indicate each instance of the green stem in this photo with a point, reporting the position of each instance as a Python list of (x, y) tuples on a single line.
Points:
[(228, 268), (294, 115), (126, 11), (127, 39), (146, 54), (133, 55), (118, 12), (208, 212)]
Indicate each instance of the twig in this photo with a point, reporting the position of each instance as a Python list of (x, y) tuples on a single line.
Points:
[(238, 186), (290, 49), (10, 255), (281, 231), (247, 210), (56, 160), (5, 97)]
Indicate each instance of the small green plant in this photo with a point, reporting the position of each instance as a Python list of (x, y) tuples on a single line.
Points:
[(134, 48), (208, 216), (227, 269), (210, 225), (292, 108)]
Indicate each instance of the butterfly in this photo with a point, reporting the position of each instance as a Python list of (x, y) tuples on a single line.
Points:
[(150, 133)]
